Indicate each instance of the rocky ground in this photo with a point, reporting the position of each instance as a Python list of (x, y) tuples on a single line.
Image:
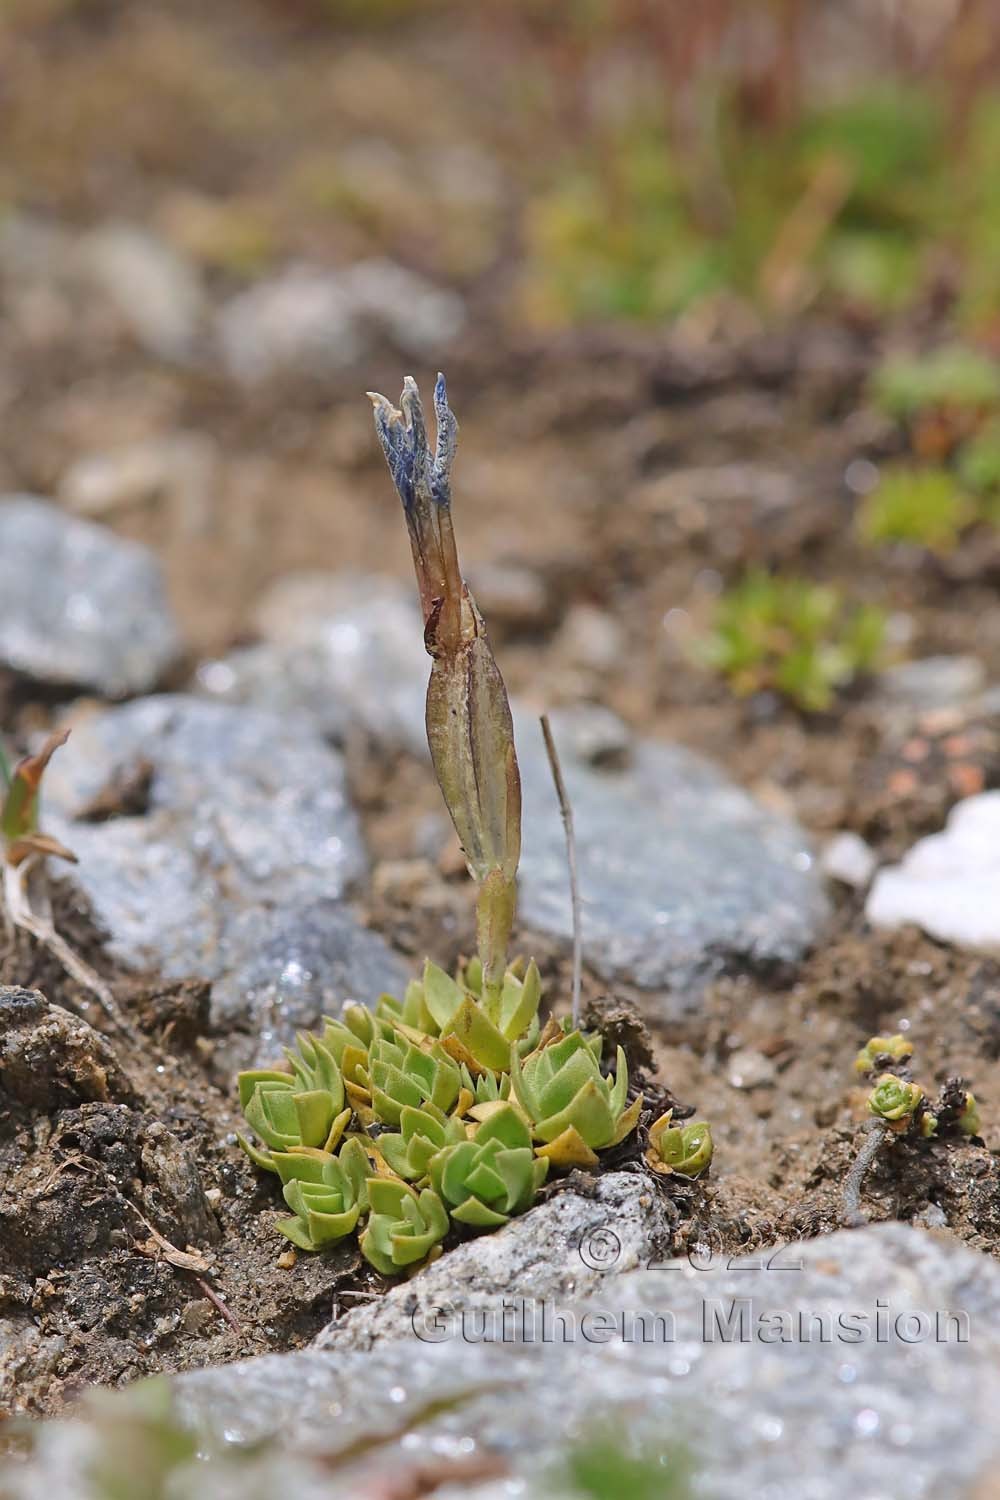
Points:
[(203, 575)]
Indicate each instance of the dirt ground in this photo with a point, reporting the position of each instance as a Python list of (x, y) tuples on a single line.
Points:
[(570, 445)]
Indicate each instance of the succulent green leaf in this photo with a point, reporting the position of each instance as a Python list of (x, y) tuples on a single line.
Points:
[(485, 1180), (423, 1132), (684, 1149), (19, 835), (326, 1194), (561, 1089), (403, 1226), (442, 995), (894, 1099)]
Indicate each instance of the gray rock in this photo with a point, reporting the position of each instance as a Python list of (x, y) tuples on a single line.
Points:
[(247, 844), (749, 1069), (511, 595), (298, 963), (866, 1363), (338, 650), (682, 873), (591, 638), (561, 1249), (934, 681), (313, 322), (78, 605)]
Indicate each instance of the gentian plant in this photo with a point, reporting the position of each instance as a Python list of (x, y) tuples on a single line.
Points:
[(446, 1110)]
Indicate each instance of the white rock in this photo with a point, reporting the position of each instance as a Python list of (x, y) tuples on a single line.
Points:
[(948, 884), (311, 321), (849, 859)]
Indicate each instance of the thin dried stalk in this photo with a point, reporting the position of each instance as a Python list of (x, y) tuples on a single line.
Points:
[(20, 883), (565, 807)]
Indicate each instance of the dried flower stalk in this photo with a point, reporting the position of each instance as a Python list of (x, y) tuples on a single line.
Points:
[(469, 728)]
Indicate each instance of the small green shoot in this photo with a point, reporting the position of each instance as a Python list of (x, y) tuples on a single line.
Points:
[(900, 1109)]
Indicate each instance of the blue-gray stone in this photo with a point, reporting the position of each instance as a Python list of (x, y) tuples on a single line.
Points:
[(683, 874), (238, 869), (80, 606)]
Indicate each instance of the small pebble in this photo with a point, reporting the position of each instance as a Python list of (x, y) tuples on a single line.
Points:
[(849, 860), (286, 1260), (749, 1069)]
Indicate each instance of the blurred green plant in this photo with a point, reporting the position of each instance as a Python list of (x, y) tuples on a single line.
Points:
[(924, 506), (978, 464), (792, 637), (956, 378), (23, 851), (849, 199), (602, 1467), (20, 838)]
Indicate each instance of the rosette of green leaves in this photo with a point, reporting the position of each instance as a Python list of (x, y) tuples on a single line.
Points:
[(423, 1133), (480, 1033), (682, 1149), (895, 1100), (485, 1180), (896, 1047), (404, 1227), (303, 1107), (327, 1194), (476, 1027), (574, 1110), (403, 1075), (350, 1040)]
